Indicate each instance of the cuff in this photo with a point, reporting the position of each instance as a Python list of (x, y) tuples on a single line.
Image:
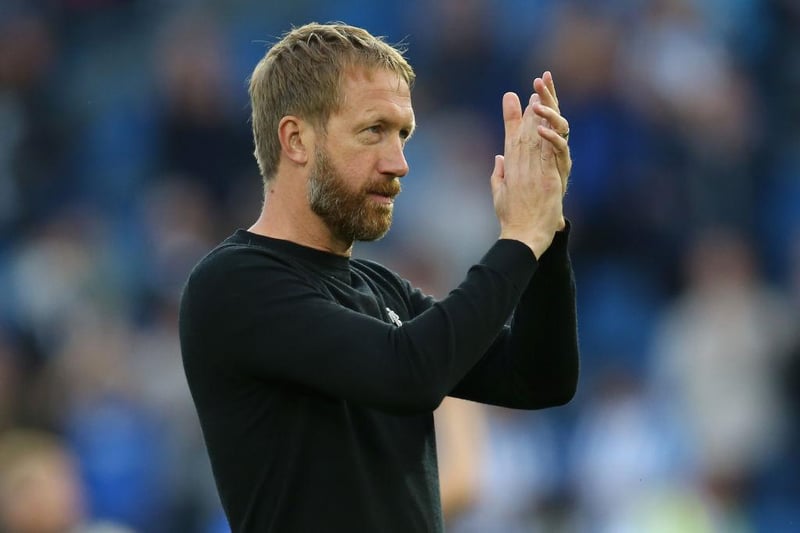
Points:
[(558, 250), (513, 259)]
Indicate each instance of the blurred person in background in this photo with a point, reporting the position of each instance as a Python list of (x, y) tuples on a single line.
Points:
[(315, 376), (30, 185), (86, 378), (511, 474), (40, 489), (460, 443), (203, 138), (627, 453), (719, 353), (709, 126)]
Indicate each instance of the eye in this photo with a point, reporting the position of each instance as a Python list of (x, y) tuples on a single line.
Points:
[(406, 133), (372, 134)]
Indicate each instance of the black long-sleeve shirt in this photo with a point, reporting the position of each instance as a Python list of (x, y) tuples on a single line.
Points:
[(315, 376)]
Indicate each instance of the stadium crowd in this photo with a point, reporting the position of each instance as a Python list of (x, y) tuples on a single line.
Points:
[(126, 154)]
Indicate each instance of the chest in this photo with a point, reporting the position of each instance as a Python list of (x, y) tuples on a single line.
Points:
[(369, 297)]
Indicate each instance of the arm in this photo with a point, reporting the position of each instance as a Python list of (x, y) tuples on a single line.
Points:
[(534, 362), (461, 439), (259, 320)]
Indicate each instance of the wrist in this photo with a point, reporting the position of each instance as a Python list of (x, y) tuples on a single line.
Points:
[(538, 243)]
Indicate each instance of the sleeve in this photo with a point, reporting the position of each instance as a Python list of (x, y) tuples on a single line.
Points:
[(266, 321), (534, 362)]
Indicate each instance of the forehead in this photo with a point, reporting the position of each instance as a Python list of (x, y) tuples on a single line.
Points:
[(375, 91)]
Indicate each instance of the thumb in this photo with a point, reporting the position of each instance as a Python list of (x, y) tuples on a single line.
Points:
[(498, 173)]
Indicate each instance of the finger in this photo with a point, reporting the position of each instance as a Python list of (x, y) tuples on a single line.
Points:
[(554, 118), (559, 143), (551, 86), (530, 120), (512, 116), (535, 101), (547, 97), (563, 160)]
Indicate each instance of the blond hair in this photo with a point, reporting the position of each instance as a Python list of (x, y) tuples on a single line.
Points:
[(301, 75)]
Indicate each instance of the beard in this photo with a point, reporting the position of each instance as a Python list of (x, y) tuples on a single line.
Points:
[(351, 215)]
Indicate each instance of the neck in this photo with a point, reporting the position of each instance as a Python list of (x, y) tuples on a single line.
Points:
[(286, 215)]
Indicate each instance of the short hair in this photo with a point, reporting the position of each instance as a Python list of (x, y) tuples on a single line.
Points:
[(302, 75)]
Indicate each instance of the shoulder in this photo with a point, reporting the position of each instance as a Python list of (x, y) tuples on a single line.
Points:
[(236, 273), (230, 261)]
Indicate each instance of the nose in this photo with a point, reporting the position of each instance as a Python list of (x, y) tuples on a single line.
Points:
[(394, 161)]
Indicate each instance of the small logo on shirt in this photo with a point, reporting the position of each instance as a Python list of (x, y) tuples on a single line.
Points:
[(394, 317)]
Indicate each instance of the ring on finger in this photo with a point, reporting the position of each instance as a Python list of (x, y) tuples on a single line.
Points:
[(564, 135)]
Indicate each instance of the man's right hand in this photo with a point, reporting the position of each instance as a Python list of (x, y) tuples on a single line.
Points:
[(527, 186)]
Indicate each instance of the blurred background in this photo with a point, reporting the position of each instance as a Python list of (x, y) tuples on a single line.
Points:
[(125, 155)]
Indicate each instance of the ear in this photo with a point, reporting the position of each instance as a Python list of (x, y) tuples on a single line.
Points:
[(297, 138)]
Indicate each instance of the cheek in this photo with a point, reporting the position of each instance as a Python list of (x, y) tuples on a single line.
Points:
[(358, 170), (356, 163)]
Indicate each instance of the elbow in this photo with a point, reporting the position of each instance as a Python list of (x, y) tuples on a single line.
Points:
[(566, 388), (564, 394), (565, 384), (552, 397), (552, 390)]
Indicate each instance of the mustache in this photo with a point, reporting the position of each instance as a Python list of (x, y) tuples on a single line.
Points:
[(385, 188)]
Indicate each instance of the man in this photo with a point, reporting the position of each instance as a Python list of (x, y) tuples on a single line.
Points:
[(315, 375)]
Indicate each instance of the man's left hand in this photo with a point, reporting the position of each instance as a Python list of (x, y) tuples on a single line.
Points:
[(553, 127)]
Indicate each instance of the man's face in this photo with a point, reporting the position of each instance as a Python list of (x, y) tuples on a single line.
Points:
[(362, 214), (358, 163)]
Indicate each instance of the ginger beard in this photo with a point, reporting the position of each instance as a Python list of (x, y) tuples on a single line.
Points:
[(350, 215)]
